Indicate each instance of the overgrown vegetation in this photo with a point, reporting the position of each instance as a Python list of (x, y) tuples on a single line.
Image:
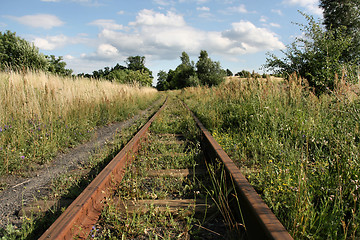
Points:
[(318, 56), (68, 186), (300, 152), (165, 150), (343, 18), (135, 72), (18, 54), (42, 114), (205, 73)]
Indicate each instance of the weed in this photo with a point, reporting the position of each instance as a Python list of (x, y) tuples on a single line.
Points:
[(41, 115), (304, 149)]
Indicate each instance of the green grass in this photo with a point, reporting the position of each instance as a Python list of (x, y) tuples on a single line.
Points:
[(162, 151), (69, 185), (41, 115), (300, 152)]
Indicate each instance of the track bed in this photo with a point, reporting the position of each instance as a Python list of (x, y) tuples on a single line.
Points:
[(166, 192), (171, 181)]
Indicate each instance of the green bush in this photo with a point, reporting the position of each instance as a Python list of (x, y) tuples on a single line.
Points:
[(16, 53), (318, 57)]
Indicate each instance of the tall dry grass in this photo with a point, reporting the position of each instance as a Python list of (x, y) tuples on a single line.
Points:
[(41, 114)]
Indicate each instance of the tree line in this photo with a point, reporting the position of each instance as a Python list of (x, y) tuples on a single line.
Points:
[(188, 74), (20, 55), (328, 50), (134, 72)]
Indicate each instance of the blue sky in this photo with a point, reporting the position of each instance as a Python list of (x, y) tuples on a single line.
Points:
[(92, 34)]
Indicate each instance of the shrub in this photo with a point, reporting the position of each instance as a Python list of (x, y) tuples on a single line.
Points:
[(317, 57)]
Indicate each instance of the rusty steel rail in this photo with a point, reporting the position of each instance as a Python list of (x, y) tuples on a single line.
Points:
[(260, 221), (83, 213)]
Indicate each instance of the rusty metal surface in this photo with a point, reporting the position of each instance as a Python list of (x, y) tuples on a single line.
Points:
[(82, 214), (260, 221)]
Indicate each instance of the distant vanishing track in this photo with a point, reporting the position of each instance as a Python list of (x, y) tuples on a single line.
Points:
[(83, 213)]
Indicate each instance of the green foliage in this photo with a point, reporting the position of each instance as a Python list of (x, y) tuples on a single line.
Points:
[(162, 84), (317, 57), (243, 74), (229, 73), (183, 76), (57, 66), (16, 53), (344, 16), (208, 71), (127, 76), (136, 63), (135, 72), (187, 74), (300, 152), (184, 72)]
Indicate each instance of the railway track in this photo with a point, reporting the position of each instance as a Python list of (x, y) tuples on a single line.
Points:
[(173, 181)]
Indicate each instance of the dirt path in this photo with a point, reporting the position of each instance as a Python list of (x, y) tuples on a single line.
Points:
[(21, 191)]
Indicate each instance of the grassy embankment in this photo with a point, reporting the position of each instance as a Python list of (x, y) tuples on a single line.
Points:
[(299, 151), (42, 114)]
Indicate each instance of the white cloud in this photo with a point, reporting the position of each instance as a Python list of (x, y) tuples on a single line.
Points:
[(107, 51), (69, 57), (248, 38), (165, 36), (121, 12), (50, 0), (204, 12), (277, 11), (107, 24), (164, 2), (263, 19), (310, 5), (201, 1), (206, 9), (150, 18), (46, 21), (239, 9), (275, 25), (57, 41), (51, 42)]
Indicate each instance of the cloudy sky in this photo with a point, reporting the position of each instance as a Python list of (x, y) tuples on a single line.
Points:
[(92, 34)]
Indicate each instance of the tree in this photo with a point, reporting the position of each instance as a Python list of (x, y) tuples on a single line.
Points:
[(228, 72), (186, 75), (162, 83), (19, 54), (209, 72), (137, 63), (134, 72), (344, 15), (57, 66), (316, 57), (184, 72), (243, 74), (128, 76)]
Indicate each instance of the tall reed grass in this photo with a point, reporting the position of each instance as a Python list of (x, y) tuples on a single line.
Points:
[(299, 151), (42, 114)]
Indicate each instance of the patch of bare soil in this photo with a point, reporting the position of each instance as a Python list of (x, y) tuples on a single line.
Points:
[(21, 191)]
